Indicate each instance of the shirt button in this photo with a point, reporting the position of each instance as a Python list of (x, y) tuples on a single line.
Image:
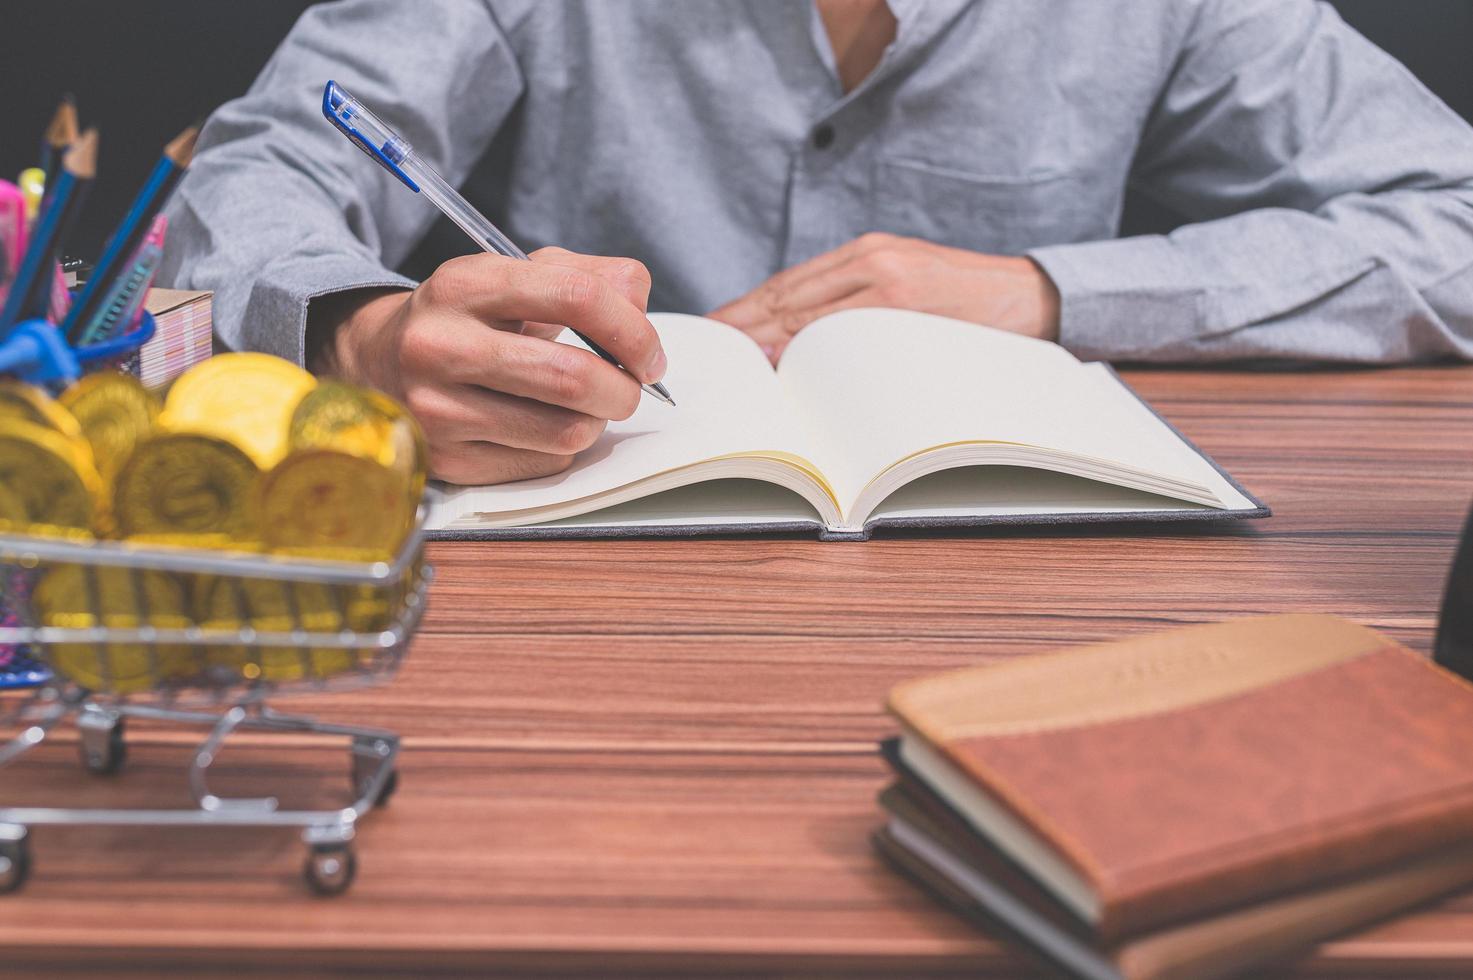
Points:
[(823, 137)]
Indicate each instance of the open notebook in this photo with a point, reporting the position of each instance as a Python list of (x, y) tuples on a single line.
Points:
[(873, 418)]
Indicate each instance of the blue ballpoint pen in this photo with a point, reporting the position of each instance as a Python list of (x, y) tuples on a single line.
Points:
[(396, 156)]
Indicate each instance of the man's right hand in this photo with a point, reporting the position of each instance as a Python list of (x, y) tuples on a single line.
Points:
[(470, 352)]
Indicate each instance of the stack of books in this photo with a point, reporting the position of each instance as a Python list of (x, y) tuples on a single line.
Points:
[(183, 336), (1188, 804)]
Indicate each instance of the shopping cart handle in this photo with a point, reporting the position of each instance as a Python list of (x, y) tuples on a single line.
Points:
[(36, 351)]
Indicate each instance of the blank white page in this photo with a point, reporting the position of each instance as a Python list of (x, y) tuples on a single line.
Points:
[(884, 384), (727, 401)]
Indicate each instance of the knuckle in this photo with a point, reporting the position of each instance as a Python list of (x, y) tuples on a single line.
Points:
[(451, 281), (876, 239), (770, 298), (632, 270), (791, 323), (567, 375), (448, 464), (576, 434), (421, 403), (885, 264), (576, 291)]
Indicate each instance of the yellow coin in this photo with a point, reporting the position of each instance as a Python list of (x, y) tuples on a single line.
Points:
[(322, 499), (181, 483), (337, 415), (115, 412), (246, 399), (13, 513), (30, 404), (51, 476), (274, 606), (71, 597), (362, 422), (411, 447)]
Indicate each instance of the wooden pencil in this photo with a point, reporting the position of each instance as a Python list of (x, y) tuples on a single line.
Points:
[(30, 292), (60, 134), (131, 231)]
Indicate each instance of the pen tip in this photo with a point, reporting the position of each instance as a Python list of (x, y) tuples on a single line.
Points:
[(62, 131), (181, 148), (81, 159)]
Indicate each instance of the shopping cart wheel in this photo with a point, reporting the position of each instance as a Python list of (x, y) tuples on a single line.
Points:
[(15, 859), (330, 868), (103, 749)]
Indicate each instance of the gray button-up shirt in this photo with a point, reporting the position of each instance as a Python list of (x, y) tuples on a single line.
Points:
[(1332, 194)]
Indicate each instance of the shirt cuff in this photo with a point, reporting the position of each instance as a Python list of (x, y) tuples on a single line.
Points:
[(275, 320), (1124, 299)]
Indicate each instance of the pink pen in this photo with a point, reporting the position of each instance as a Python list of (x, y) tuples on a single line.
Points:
[(122, 303), (157, 232), (12, 231)]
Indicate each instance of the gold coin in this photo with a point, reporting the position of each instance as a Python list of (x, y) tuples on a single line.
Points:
[(30, 404), (53, 478), (274, 606), (73, 597), (13, 512), (183, 483), (115, 412), (337, 415), (246, 399), (363, 422), (323, 499), (411, 447)]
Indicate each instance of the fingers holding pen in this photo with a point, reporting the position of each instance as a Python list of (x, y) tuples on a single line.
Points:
[(463, 352), (499, 289)]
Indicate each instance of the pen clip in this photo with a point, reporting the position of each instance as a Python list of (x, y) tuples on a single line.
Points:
[(340, 108)]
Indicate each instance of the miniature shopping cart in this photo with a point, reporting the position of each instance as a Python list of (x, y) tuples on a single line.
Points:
[(291, 626)]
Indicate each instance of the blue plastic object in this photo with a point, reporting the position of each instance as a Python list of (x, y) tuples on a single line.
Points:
[(37, 352), (21, 673)]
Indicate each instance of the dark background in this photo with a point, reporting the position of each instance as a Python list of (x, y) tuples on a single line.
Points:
[(144, 69)]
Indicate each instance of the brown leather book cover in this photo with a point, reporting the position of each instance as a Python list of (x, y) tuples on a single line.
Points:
[(932, 845), (1202, 768)]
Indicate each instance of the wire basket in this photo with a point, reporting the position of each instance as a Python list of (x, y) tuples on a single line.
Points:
[(113, 630)]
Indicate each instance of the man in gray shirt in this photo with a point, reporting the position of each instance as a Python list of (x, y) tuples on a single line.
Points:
[(776, 160)]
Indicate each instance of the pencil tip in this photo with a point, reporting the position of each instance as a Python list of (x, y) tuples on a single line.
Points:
[(181, 147), (81, 159), (63, 129)]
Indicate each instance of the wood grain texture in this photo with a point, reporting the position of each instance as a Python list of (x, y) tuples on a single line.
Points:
[(657, 757)]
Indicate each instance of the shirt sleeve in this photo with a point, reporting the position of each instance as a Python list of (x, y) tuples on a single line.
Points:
[(1332, 196), (278, 208)]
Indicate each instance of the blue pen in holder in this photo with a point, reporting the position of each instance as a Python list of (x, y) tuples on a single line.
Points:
[(37, 352)]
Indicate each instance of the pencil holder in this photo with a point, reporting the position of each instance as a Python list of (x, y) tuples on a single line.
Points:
[(37, 352)]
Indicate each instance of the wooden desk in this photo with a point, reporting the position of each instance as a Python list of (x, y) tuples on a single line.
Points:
[(659, 756)]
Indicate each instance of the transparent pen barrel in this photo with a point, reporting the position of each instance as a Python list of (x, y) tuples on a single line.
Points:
[(472, 222)]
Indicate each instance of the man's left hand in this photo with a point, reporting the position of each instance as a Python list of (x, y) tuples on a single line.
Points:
[(1007, 292)]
